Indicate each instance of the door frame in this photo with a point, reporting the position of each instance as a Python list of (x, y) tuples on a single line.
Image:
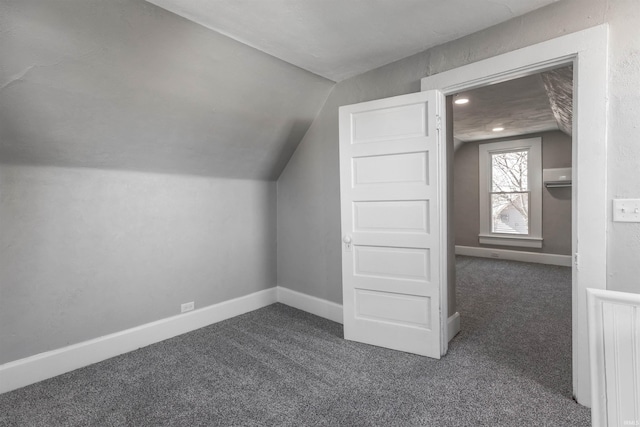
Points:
[(587, 51)]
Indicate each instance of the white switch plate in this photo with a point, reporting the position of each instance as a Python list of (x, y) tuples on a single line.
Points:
[(626, 210)]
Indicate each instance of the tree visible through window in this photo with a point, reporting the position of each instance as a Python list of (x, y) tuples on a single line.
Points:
[(510, 192), (510, 188)]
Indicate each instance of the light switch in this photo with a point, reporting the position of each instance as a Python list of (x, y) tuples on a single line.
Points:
[(626, 210)]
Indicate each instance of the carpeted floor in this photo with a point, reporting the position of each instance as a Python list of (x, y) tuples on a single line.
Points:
[(510, 365)]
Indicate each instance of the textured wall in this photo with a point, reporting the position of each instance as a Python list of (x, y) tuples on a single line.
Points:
[(623, 154), (556, 202), (84, 253), (308, 190), (122, 85)]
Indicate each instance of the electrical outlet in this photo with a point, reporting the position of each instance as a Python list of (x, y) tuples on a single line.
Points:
[(187, 306)]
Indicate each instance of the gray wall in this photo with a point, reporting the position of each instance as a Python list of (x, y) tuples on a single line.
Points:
[(87, 252), (109, 112), (556, 202), (308, 189), (126, 86), (309, 257)]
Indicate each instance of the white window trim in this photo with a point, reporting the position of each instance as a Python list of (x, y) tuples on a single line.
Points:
[(486, 236)]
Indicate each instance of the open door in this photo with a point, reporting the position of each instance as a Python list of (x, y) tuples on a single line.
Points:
[(391, 161)]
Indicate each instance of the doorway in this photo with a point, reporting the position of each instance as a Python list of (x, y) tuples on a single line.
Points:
[(512, 162), (512, 202), (587, 51)]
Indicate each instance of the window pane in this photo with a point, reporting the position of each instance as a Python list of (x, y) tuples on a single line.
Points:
[(510, 213), (509, 171)]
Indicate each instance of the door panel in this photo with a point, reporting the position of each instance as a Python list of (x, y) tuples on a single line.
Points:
[(396, 270), (399, 122), (396, 216), (389, 151), (392, 263), (390, 169), (404, 310)]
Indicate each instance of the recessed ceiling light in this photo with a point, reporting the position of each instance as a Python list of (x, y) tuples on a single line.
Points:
[(498, 129), (460, 100)]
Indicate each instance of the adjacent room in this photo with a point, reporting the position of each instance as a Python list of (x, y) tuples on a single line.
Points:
[(173, 247), (512, 146)]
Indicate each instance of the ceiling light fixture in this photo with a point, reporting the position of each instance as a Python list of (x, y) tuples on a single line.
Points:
[(458, 99), (498, 129)]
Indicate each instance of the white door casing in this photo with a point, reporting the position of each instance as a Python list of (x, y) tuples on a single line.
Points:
[(587, 51), (391, 159)]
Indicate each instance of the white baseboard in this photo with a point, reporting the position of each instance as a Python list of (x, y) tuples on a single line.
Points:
[(333, 311), (42, 366), (453, 325), (536, 257), (318, 306), (46, 365)]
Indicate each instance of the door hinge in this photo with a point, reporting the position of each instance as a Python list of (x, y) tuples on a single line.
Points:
[(575, 259), (438, 122)]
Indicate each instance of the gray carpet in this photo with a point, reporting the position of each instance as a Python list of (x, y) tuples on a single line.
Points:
[(510, 365)]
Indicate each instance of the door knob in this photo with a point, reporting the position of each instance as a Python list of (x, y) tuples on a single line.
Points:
[(347, 243)]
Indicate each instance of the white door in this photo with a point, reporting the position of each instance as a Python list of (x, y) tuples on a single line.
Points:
[(390, 176)]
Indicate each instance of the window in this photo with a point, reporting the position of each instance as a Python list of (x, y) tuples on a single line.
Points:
[(511, 193)]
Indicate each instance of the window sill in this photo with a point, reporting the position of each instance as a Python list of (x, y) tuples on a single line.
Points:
[(505, 240)]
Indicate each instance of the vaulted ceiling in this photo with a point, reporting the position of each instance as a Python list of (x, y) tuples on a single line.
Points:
[(125, 84)]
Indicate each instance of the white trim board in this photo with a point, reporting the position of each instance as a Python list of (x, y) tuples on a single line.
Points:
[(453, 325), (314, 305), (30, 370), (333, 311), (49, 364), (536, 257)]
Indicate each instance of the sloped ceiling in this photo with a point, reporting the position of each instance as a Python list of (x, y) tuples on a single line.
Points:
[(123, 84), (338, 39), (558, 84)]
